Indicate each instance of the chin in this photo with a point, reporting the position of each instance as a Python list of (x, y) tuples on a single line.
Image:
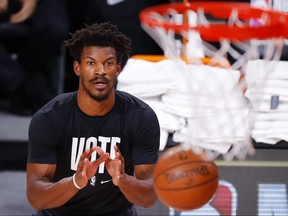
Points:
[(99, 97)]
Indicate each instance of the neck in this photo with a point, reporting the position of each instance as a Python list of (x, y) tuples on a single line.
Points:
[(95, 108)]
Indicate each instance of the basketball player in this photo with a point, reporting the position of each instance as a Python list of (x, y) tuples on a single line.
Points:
[(92, 151)]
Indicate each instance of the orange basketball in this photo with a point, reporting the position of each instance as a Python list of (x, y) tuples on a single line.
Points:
[(184, 180)]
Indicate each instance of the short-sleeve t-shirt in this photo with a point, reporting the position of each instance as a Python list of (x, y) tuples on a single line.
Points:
[(59, 132)]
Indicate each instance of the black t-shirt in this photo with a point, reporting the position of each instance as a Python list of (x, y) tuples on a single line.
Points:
[(59, 133)]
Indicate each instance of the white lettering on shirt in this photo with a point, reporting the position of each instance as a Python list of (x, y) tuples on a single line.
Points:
[(78, 149)]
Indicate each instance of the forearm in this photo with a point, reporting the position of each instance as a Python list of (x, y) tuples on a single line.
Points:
[(43, 194), (139, 192)]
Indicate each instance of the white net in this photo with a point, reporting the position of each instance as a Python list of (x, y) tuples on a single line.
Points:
[(214, 96)]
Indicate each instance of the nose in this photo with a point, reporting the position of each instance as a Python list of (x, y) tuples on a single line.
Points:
[(100, 70)]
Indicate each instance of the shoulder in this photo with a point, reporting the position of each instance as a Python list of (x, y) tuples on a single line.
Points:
[(134, 107), (130, 100), (57, 108), (60, 102)]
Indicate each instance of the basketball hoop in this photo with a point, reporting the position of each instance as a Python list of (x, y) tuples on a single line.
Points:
[(235, 35), (231, 20)]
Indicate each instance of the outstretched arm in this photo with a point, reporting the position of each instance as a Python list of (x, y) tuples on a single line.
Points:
[(42, 193), (137, 189)]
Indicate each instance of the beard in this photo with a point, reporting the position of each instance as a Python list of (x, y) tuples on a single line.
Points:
[(98, 98)]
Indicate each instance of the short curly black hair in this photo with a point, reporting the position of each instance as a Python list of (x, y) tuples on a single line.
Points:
[(102, 35)]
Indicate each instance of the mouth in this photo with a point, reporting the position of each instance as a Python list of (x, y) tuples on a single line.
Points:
[(100, 83)]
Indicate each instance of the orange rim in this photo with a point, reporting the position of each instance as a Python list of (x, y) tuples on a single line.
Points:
[(204, 60), (277, 26)]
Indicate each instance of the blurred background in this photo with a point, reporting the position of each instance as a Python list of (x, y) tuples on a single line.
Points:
[(35, 67)]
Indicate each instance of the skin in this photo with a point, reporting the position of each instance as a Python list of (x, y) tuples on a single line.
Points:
[(3, 5), (97, 71), (26, 11)]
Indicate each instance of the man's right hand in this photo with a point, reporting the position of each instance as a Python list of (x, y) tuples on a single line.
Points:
[(87, 169)]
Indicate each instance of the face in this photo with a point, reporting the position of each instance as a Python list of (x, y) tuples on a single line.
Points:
[(98, 71)]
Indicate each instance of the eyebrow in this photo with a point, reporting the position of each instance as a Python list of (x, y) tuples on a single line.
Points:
[(87, 56), (109, 58)]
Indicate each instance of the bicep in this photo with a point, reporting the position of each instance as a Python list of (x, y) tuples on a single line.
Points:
[(35, 172)]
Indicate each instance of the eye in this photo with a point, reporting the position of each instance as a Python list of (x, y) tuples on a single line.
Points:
[(91, 63), (109, 63)]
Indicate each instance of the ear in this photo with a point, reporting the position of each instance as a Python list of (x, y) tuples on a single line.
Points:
[(76, 67), (119, 68)]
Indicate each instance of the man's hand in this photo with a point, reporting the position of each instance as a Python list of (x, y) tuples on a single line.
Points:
[(3, 6), (87, 169), (26, 11), (116, 167)]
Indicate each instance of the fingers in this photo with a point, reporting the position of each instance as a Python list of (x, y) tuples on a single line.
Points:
[(81, 178), (117, 151), (86, 169), (95, 164), (116, 148), (103, 157), (87, 153), (118, 154), (99, 150)]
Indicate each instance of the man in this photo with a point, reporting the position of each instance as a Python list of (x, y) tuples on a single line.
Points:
[(92, 152), (124, 14)]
